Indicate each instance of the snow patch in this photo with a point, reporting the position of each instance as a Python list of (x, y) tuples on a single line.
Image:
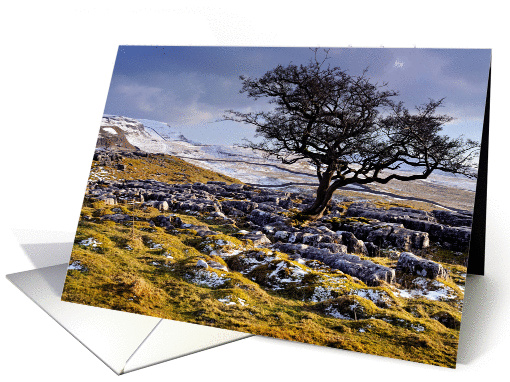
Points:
[(232, 300), (440, 292), (207, 279), (76, 266), (110, 130), (90, 242), (418, 328), (321, 294), (331, 311), (222, 253), (376, 296)]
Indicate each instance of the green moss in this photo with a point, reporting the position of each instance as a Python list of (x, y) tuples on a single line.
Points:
[(161, 167), (387, 205), (298, 218), (338, 223), (153, 271)]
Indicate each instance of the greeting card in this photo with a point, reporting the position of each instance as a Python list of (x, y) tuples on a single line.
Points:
[(326, 196)]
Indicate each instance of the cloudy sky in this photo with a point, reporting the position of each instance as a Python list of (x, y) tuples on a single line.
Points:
[(190, 87)]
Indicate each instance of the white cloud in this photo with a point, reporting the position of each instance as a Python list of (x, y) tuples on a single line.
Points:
[(143, 97), (176, 99)]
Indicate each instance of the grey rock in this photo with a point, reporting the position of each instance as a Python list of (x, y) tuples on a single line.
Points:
[(372, 249), (219, 215), (407, 239), (110, 201), (262, 218), (163, 206), (445, 227), (281, 235), (333, 247), (455, 219), (354, 245), (266, 198), (379, 236), (415, 265), (312, 239), (258, 238), (241, 205), (216, 265), (369, 272), (117, 218), (200, 229)]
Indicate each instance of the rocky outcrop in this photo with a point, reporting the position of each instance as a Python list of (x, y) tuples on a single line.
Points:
[(411, 264), (451, 229), (117, 218), (354, 245), (454, 219), (367, 271), (257, 238), (388, 234), (264, 214)]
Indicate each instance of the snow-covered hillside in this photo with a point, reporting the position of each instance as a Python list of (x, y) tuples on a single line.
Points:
[(244, 164)]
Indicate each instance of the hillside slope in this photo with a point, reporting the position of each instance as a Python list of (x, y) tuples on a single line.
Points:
[(127, 165), (252, 167)]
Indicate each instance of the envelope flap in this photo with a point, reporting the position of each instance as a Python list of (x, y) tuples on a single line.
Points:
[(173, 339), (112, 336)]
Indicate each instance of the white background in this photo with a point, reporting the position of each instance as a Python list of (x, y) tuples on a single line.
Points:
[(56, 62)]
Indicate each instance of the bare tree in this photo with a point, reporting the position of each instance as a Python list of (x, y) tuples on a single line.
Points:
[(349, 129)]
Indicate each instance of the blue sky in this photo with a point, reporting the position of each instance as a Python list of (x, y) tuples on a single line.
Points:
[(190, 87)]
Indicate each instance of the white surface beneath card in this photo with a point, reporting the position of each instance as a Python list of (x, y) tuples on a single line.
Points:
[(123, 341)]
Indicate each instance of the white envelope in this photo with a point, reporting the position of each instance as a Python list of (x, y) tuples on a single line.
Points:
[(123, 341)]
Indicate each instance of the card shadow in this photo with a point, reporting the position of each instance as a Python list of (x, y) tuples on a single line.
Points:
[(477, 318), (45, 254)]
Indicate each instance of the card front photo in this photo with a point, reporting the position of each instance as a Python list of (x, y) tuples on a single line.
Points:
[(325, 196)]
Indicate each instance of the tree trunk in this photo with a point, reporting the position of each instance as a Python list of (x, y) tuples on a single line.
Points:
[(324, 195)]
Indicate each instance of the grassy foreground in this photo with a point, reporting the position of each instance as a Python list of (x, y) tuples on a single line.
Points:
[(136, 267)]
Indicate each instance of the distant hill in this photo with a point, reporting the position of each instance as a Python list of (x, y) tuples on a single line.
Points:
[(252, 167)]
